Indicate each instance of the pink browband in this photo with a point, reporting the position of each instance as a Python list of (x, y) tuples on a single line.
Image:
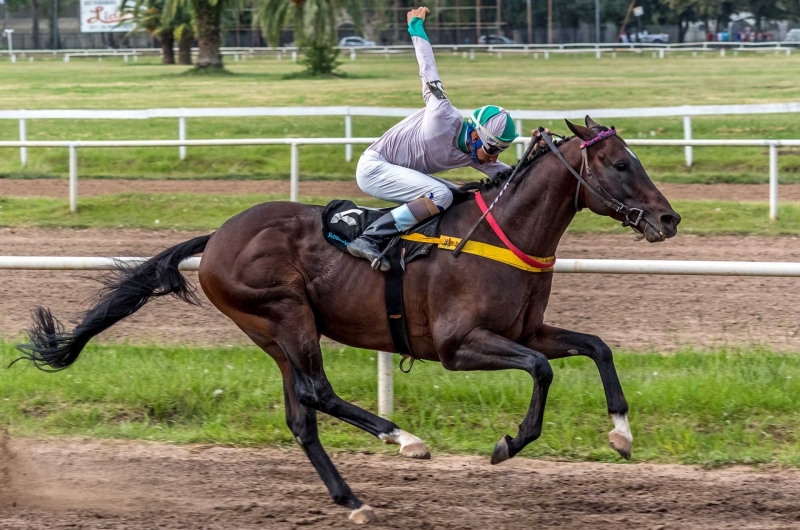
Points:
[(600, 136)]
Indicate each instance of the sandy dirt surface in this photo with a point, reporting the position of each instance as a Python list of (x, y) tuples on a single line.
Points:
[(632, 312), (315, 188), (60, 484)]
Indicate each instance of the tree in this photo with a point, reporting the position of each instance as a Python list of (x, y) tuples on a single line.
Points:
[(150, 16), (314, 23), (207, 16)]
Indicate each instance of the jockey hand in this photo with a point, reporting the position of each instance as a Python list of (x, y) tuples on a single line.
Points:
[(418, 12), (536, 134)]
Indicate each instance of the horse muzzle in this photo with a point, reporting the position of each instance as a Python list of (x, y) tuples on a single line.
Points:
[(657, 228)]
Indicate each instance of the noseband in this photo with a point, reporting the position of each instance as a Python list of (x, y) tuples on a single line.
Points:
[(633, 216)]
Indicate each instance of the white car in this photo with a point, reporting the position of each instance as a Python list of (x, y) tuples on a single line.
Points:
[(495, 39), (792, 36), (355, 42), (652, 38)]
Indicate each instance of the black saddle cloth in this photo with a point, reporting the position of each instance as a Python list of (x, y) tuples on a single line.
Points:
[(343, 221)]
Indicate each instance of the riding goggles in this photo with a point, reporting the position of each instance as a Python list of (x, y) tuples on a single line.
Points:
[(492, 150)]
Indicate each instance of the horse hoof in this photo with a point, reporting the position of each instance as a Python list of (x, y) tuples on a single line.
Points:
[(362, 515), (620, 444), (502, 451), (415, 450)]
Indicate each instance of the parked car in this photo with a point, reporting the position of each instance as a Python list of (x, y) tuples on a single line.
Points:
[(355, 42), (793, 36), (495, 39), (653, 38)]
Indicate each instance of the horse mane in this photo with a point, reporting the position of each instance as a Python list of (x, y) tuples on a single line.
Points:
[(465, 191)]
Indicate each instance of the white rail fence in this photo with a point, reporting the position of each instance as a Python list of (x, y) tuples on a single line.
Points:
[(348, 112), (386, 359), (295, 143), (579, 47)]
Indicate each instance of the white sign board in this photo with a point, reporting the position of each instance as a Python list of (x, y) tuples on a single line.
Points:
[(102, 16), (638, 11)]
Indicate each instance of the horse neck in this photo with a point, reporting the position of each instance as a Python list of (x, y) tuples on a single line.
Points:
[(537, 209)]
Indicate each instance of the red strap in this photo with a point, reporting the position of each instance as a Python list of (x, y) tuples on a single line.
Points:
[(509, 245)]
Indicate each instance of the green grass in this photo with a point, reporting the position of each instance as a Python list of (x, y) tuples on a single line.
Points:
[(715, 408), (563, 82), (208, 212)]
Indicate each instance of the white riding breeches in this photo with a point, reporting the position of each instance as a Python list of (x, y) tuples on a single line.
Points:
[(378, 177)]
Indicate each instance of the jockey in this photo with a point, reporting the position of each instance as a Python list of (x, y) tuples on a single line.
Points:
[(398, 166)]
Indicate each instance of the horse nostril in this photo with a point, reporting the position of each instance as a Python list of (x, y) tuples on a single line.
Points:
[(670, 220)]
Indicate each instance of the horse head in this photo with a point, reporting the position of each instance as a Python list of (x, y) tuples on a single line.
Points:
[(618, 173)]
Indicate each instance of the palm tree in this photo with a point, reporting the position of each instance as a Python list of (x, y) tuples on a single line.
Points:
[(314, 24), (207, 16), (150, 16)]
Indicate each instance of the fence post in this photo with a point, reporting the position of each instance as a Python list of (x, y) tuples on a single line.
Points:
[(23, 151), (687, 135), (773, 181), (73, 178), (294, 176), (182, 136), (519, 132), (385, 384), (348, 133)]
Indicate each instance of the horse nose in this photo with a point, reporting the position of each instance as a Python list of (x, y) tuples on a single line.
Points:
[(670, 221)]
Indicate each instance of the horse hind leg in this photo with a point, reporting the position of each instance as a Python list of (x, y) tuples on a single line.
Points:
[(302, 421), (300, 345)]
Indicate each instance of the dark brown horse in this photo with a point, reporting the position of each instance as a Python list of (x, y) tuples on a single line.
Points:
[(270, 271)]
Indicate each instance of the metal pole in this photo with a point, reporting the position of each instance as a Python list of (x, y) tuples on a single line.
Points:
[(773, 182), (54, 27), (23, 151), (385, 384), (294, 176), (549, 22), (348, 133), (73, 178), (477, 21), (597, 21), (182, 136), (529, 16), (519, 132), (687, 135)]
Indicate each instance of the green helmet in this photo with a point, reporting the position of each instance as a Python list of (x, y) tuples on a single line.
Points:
[(494, 126)]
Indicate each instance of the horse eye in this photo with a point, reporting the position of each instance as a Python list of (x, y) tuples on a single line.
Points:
[(621, 166)]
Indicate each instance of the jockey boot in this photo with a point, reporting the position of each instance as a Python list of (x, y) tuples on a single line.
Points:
[(368, 245), (400, 219)]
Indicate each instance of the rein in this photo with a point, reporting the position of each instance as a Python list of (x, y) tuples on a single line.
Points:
[(633, 216)]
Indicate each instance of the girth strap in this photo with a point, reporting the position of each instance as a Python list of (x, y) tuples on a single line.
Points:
[(393, 295)]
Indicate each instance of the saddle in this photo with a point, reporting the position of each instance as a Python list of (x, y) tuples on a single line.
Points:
[(343, 221)]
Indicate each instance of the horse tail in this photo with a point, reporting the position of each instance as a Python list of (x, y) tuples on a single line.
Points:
[(124, 292)]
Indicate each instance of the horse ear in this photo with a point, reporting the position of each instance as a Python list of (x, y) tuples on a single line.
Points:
[(590, 123), (581, 132)]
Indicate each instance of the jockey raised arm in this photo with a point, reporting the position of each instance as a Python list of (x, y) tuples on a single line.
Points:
[(398, 166)]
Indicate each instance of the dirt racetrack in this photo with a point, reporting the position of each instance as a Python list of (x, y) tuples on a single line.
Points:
[(89, 484), (632, 312)]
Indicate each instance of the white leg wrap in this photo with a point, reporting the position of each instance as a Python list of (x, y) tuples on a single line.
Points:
[(410, 445), (400, 437), (622, 426)]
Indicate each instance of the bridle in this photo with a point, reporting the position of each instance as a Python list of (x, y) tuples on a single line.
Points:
[(633, 216)]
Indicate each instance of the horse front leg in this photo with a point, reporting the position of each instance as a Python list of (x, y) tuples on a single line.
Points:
[(556, 343), (483, 350)]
